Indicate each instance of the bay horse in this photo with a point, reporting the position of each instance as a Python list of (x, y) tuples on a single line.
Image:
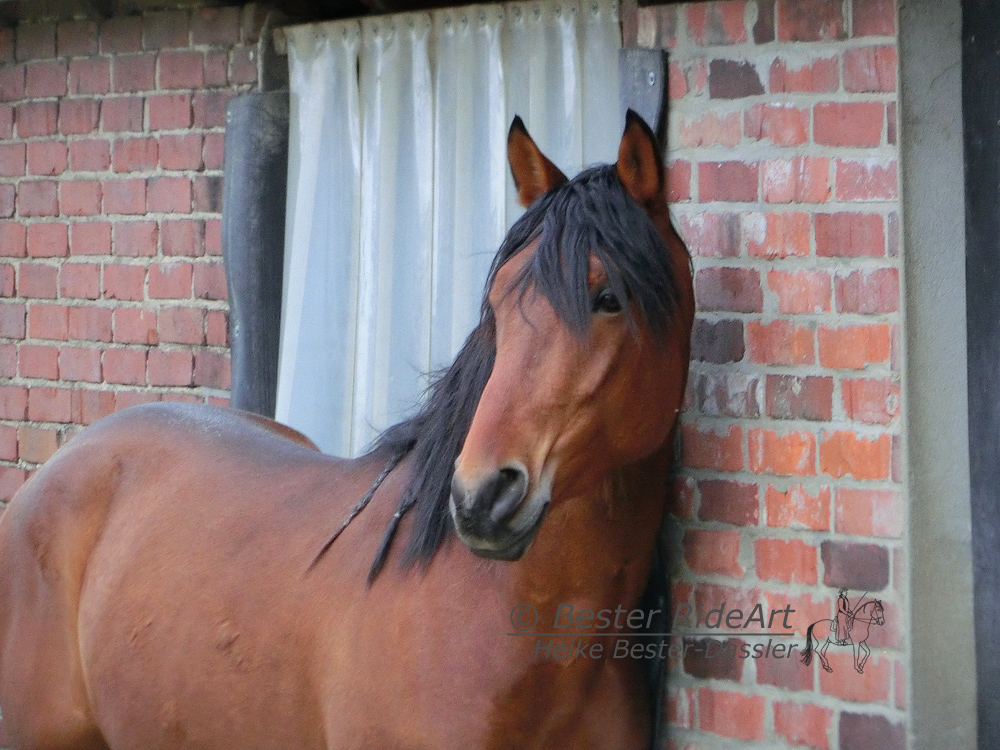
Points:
[(167, 579), (823, 633)]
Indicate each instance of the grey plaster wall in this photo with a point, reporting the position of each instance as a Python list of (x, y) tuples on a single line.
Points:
[(942, 693)]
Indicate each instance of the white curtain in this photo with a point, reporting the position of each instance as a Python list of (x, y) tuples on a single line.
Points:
[(398, 194)]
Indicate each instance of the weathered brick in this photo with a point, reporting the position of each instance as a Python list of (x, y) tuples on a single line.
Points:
[(709, 450), (91, 405), (35, 41), (842, 452), (91, 76), (216, 68), (80, 197), (786, 560), (78, 116), (12, 317), (48, 240), (213, 153), (733, 79), (212, 369), (121, 34), (800, 292), (169, 367), (133, 72), (91, 238), (34, 361), (708, 658), (717, 22), (870, 69), (850, 235), (44, 79), (872, 401), (165, 29), (90, 323), (816, 76), (726, 394), (210, 281), (36, 444), (780, 342), (711, 234), (709, 552), (79, 364), (89, 156), (853, 347), (170, 111), (170, 281), (216, 26), (124, 196), (135, 238), (185, 237), (874, 291), (36, 119), (216, 328), (803, 724), (717, 342), (122, 114), (210, 108), (135, 325), (728, 181), (134, 154), (678, 181), (182, 70), (731, 714), (711, 129), (76, 38), (789, 454), (48, 404), (169, 194), (868, 512), (37, 281), (182, 325), (810, 20), (729, 289), (802, 179), (782, 124), (80, 280), (777, 235), (863, 567), (728, 502), (242, 66), (124, 282), (206, 194), (858, 124), (844, 682), (874, 18), (794, 397), (13, 159), (859, 731), (124, 367)]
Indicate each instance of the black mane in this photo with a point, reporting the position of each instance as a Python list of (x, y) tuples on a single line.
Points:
[(590, 214)]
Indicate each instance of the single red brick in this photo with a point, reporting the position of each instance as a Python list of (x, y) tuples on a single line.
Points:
[(678, 181), (728, 394), (12, 317), (711, 129), (11, 83), (868, 292), (786, 560), (89, 76), (800, 291), (803, 724), (216, 26), (870, 69), (857, 124), (733, 79), (862, 730), (787, 673), (35, 41), (122, 114), (124, 367), (121, 34), (713, 552), (810, 20), (6, 121), (709, 450), (874, 18), (712, 235), (8, 201), (844, 682), (717, 342), (728, 502), (44, 79), (91, 238), (212, 369), (850, 235), (870, 180), (213, 237), (6, 285), (80, 280), (13, 402), (47, 157), (135, 238), (182, 70), (169, 367), (853, 347), (210, 281), (802, 179), (170, 111), (206, 194), (89, 406), (49, 404), (80, 364), (712, 658), (37, 198), (36, 444), (170, 281), (78, 116), (869, 513), (731, 714), (677, 85), (89, 156), (135, 154), (798, 509), (8, 452), (728, 181), (729, 289), (780, 342), (210, 108), (37, 281), (817, 76), (134, 325), (791, 454), (35, 361), (242, 67), (717, 23), (183, 237), (169, 194), (872, 401), (843, 452), (782, 124), (217, 328), (775, 235), (48, 240), (794, 397), (124, 196), (76, 38), (124, 282), (13, 160), (80, 197), (182, 325), (90, 323), (133, 72), (162, 29), (214, 151), (217, 69)]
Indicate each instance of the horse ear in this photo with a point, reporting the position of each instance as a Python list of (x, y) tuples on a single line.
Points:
[(533, 173), (640, 166)]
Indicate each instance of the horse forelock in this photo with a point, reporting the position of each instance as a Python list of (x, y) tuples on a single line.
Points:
[(590, 214)]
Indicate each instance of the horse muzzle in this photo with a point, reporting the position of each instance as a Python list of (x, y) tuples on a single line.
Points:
[(495, 516)]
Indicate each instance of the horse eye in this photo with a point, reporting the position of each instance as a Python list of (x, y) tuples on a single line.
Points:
[(607, 301)]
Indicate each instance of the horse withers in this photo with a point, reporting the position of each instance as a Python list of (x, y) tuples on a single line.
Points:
[(167, 579)]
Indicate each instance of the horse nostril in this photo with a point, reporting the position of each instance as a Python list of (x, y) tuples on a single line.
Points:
[(504, 492)]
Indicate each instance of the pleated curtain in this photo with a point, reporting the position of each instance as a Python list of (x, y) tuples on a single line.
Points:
[(398, 191)]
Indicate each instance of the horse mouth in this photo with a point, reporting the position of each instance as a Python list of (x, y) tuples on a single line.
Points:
[(508, 546)]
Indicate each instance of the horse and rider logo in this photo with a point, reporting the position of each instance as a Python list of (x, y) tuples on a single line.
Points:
[(850, 627)]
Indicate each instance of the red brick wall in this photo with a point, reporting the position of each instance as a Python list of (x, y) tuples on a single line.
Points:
[(112, 290), (783, 167)]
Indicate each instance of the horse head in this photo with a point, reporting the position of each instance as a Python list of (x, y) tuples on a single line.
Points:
[(585, 296)]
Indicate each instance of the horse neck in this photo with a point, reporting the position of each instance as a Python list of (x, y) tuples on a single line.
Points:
[(595, 551)]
